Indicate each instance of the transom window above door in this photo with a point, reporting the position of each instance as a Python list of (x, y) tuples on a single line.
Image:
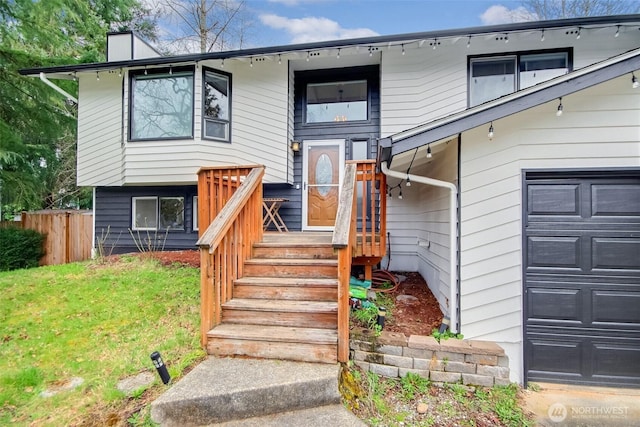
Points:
[(493, 77), (337, 102)]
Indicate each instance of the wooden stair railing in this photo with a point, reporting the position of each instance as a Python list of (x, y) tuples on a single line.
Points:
[(230, 212), (344, 238)]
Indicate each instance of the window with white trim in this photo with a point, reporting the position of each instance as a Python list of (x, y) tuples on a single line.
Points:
[(154, 213), (493, 77)]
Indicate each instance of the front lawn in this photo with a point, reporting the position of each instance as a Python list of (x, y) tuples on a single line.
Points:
[(98, 322)]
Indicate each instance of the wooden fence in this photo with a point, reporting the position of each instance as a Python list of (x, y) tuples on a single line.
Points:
[(68, 234)]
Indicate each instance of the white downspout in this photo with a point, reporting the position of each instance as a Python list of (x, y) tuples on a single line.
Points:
[(453, 221), (57, 88)]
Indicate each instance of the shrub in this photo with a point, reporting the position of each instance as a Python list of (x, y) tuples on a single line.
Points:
[(20, 248)]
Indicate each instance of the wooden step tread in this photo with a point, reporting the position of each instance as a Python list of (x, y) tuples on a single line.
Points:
[(274, 334), (287, 281), (291, 261), (287, 244), (283, 306)]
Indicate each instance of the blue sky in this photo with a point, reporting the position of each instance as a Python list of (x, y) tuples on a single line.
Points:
[(282, 22), (295, 21)]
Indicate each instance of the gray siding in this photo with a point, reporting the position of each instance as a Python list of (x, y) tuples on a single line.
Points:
[(113, 213)]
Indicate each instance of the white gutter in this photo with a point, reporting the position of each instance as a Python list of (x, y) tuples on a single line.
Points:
[(453, 237), (52, 85)]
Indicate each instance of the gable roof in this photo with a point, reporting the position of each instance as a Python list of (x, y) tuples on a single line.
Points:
[(377, 42), (507, 105)]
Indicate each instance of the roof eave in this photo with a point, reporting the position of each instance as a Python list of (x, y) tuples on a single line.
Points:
[(459, 32)]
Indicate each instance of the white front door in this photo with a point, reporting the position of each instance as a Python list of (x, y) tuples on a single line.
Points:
[(322, 169)]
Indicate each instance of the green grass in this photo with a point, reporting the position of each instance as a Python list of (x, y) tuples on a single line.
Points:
[(96, 321)]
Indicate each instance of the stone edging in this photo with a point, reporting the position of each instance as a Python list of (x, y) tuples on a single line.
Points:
[(470, 362)]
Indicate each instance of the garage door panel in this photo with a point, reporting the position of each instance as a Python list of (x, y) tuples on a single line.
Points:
[(617, 359), (582, 278), (554, 199), (615, 253), (552, 355), (559, 305), (616, 308), (554, 252), (615, 200)]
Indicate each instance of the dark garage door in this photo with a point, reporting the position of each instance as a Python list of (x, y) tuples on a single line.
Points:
[(582, 278)]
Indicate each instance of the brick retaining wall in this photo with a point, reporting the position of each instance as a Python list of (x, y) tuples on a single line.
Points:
[(469, 362)]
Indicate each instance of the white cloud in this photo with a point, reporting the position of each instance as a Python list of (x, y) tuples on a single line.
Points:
[(498, 14), (311, 29)]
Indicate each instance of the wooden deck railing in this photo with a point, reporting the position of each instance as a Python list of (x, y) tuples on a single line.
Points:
[(371, 233), (359, 234), (230, 213)]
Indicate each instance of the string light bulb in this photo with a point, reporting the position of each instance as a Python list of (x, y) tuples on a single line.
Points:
[(400, 194), (370, 51), (429, 154), (617, 31), (170, 70), (408, 181), (403, 52), (279, 59), (251, 62), (338, 55), (145, 70), (435, 44), (222, 63), (542, 36), (559, 111), (308, 57), (120, 72), (506, 38), (490, 135), (97, 75), (578, 34), (469, 42), (634, 81)]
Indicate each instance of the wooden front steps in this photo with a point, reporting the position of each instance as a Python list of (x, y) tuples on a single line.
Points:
[(285, 306)]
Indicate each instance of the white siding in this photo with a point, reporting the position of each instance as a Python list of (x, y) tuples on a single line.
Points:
[(600, 128), (99, 130), (425, 84), (260, 131), (419, 224)]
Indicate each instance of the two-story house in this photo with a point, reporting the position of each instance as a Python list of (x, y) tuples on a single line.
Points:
[(512, 156)]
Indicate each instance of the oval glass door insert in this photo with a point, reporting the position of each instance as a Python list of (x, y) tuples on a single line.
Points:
[(324, 174)]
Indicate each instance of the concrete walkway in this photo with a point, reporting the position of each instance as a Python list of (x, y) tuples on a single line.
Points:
[(560, 405), (250, 392)]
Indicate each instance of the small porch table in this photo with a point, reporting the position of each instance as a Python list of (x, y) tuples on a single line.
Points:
[(271, 207)]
